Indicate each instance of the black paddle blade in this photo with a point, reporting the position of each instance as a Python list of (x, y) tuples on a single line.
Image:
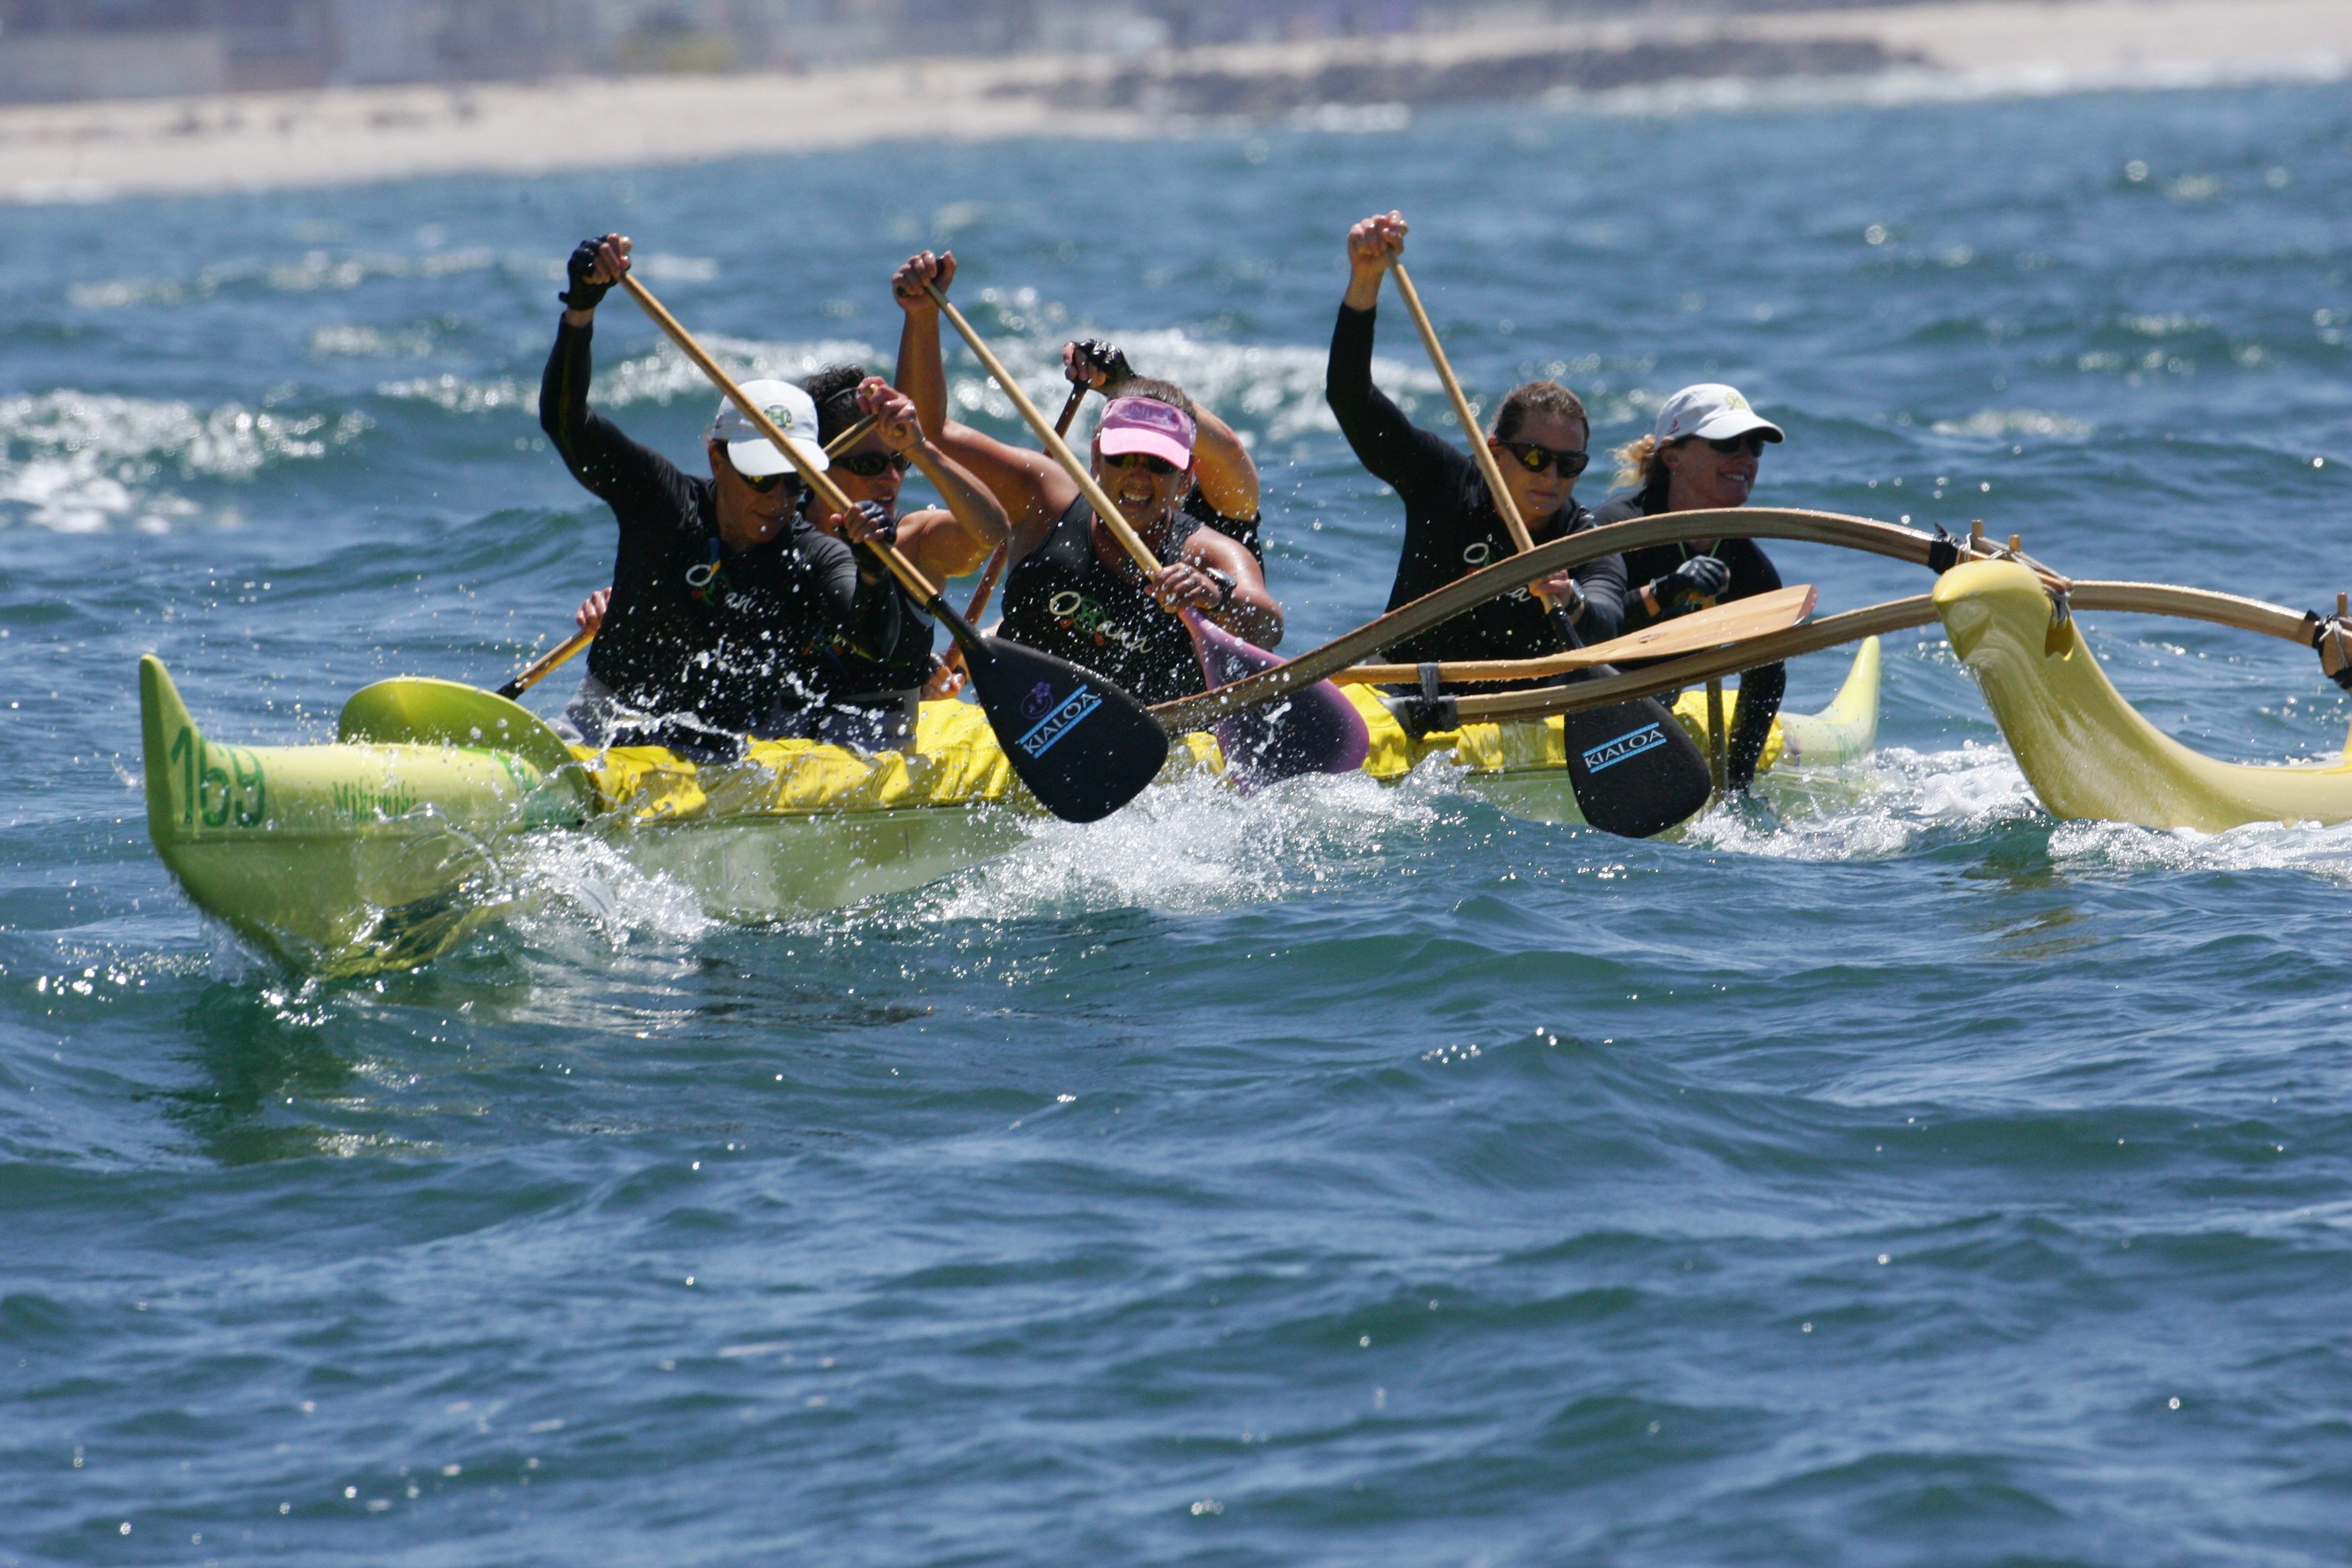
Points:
[(1634, 768), (1084, 746)]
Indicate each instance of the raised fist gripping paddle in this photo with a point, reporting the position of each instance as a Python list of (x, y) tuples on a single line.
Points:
[(1084, 746)]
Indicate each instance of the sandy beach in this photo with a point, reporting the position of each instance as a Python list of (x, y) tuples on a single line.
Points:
[(93, 151)]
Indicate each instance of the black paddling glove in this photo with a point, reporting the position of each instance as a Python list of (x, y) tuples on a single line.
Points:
[(888, 531), (1700, 577), (584, 295), (1095, 353)]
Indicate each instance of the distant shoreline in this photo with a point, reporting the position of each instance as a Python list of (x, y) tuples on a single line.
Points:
[(88, 151)]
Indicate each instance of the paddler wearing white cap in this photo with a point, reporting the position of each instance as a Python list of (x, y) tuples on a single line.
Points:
[(1072, 591), (728, 608), (1701, 455)]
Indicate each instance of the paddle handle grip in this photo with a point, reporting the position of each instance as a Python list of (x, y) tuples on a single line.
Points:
[(1055, 448), (828, 494), (1069, 414), (539, 668), (851, 436)]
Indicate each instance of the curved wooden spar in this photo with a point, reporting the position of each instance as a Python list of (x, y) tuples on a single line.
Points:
[(1865, 534)]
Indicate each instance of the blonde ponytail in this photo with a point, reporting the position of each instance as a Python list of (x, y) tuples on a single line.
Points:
[(1634, 459)]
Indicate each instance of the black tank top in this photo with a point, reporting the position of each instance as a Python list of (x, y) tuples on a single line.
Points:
[(1061, 599)]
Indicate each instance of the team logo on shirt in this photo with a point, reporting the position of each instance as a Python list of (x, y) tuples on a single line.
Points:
[(706, 582), (1073, 612)]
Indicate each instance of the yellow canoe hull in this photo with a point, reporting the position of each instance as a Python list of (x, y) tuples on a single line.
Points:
[(2089, 754), (379, 852)]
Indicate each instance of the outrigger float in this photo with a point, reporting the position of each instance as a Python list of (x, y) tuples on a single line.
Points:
[(384, 849)]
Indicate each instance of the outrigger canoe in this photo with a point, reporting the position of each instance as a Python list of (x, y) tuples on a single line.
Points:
[(2089, 753), (385, 847)]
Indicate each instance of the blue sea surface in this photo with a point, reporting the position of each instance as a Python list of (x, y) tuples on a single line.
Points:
[(1880, 1173)]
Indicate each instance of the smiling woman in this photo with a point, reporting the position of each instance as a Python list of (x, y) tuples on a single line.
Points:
[(1702, 454), (1073, 590)]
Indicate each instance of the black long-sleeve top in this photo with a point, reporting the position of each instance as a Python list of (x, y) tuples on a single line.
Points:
[(1451, 526), (739, 639), (1752, 572)]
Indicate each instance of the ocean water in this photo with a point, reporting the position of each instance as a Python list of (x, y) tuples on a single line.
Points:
[(1884, 1173)]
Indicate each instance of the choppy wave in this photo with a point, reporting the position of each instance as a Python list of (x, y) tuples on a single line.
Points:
[(79, 462), (659, 377), (323, 269)]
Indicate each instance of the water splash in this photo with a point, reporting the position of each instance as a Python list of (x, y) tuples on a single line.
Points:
[(1196, 845), (2322, 852), (1892, 803), (578, 881)]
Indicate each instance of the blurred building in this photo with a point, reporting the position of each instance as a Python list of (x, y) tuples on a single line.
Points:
[(58, 49)]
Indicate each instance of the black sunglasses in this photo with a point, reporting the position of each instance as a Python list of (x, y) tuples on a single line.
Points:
[(865, 465), (763, 483), (1128, 460), (1751, 443), (1535, 459)]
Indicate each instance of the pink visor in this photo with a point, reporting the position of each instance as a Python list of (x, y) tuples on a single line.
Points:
[(1148, 426)]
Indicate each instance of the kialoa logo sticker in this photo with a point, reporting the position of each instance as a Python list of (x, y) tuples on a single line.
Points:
[(1040, 698), (1632, 744), (1068, 716)]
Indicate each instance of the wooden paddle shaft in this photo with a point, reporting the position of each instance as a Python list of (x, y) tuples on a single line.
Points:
[(996, 557), (1055, 448), (851, 436), (539, 668), (1480, 452), (827, 493)]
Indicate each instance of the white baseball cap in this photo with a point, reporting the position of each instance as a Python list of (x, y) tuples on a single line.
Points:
[(1712, 412), (753, 454)]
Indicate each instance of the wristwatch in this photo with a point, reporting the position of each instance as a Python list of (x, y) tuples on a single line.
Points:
[(1225, 585)]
